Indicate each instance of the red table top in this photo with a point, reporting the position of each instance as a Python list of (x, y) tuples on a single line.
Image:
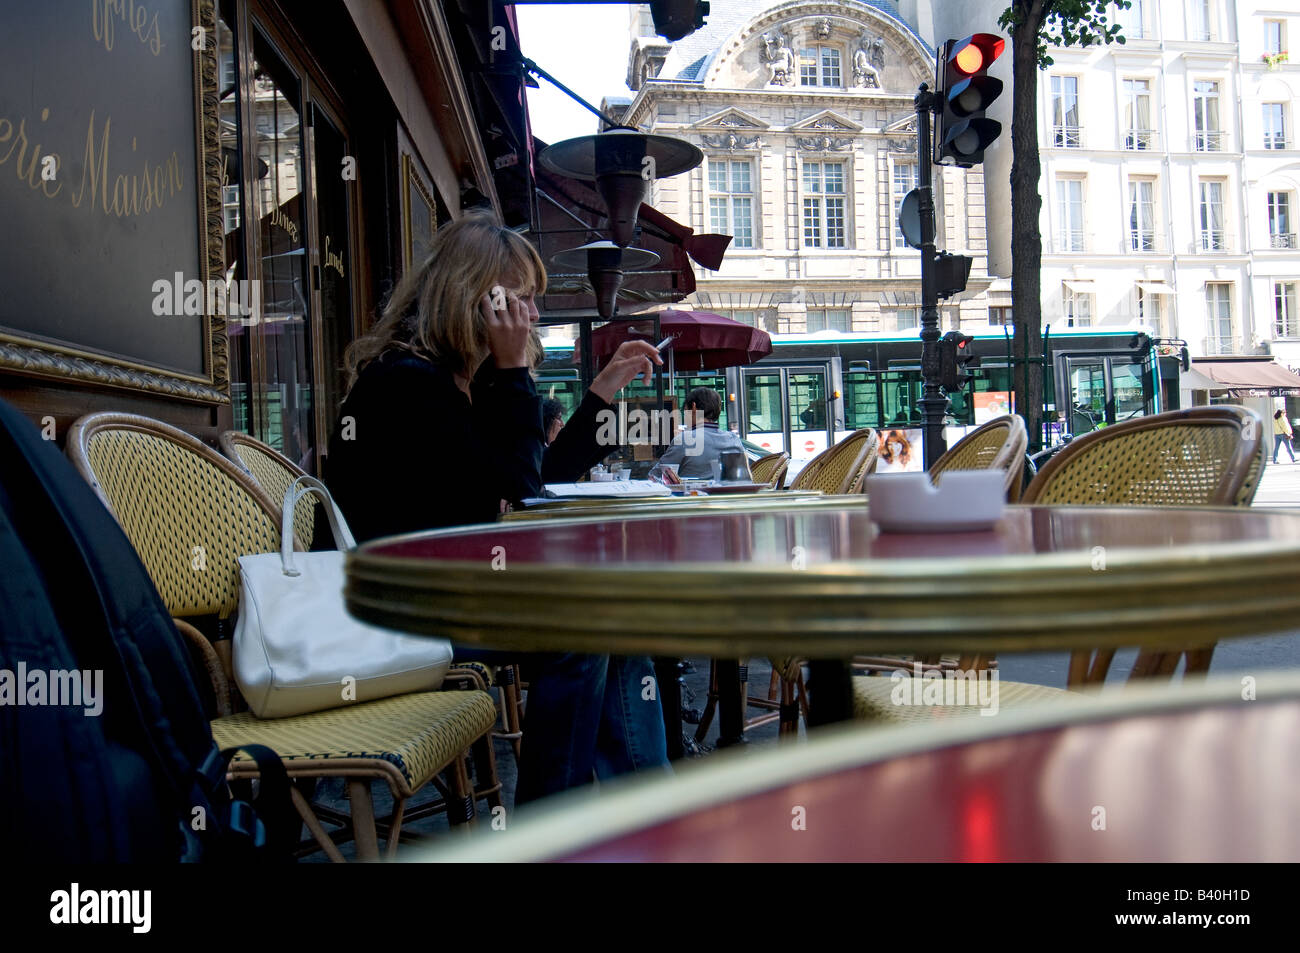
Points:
[(768, 537), (1203, 782)]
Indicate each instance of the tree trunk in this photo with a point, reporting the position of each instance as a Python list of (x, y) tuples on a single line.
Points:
[(1026, 205)]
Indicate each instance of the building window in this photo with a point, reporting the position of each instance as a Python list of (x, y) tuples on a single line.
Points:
[(823, 205), (1138, 133), (1274, 37), (1218, 318), (1066, 133), (1069, 203), (1280, 232), (1132, 21), (731, 202), (1205, 108), (829, 320), (1275, 126), (1000, 315), (819, 66), (1149, 312), (1204, 20), (909, 319), (745, 317), (1286, 321), (1212, 234), (230, 207), (905, 180), (1078, 308), (1141, 215)]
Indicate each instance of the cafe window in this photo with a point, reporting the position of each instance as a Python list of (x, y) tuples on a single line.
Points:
[(288, 218)]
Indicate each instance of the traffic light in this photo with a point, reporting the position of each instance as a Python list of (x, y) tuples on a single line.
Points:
[(951, 272), (965, 91), (957, 356), (675, 19)]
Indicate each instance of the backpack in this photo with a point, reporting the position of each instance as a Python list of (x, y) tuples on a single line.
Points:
[(106, 754)]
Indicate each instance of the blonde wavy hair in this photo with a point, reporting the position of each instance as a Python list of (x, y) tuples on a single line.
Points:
[(434, 310)]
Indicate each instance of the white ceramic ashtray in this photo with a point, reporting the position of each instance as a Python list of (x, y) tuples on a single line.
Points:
[(965, 501)]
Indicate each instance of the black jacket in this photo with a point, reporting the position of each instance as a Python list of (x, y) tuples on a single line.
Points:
[(411, 452)]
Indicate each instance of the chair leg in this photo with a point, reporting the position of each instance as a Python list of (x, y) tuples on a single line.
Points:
[(488, 784), (1198, 661), (511, 716), (710, 704), (460, 794), (395, 827), (314, 825), (789, 727), (363, 819)]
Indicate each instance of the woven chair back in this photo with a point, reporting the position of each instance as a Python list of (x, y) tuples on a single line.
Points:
[(189, 512), (841, 468), (1193, 457), (998, 445), (273, 472)]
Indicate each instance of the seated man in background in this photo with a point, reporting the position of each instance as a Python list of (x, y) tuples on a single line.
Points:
[(701, 443)]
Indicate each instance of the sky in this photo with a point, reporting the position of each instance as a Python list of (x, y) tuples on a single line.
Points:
[(585, 47)]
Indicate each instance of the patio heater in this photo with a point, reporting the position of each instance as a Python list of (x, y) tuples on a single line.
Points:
[(605, 264)]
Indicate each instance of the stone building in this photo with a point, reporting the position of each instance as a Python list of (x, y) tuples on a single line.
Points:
[(804, 111)]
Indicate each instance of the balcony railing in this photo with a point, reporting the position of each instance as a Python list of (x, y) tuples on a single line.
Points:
[(1213, 239), (1215, 345), (1286, 329), (1208, 141), (1281, 240), (1067, 137), (1141, 241), (1068, 241), (1140, 140)]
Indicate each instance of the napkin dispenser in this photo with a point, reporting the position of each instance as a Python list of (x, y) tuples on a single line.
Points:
[(964, 501), (735, 467)]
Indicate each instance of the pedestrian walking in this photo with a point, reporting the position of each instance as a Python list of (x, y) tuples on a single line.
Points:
[(1282, 435)]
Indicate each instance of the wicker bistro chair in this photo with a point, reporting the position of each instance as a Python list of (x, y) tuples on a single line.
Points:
[(274, 473), (191, 514), (771, 469), (999, 444), (843, 467), (1195, 457)]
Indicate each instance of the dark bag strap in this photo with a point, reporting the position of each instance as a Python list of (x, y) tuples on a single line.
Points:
[(267, 829)]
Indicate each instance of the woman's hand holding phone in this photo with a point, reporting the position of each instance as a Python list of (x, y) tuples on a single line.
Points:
[(508, 327)]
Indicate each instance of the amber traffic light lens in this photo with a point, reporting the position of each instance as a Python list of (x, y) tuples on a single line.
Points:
[(970, 59)]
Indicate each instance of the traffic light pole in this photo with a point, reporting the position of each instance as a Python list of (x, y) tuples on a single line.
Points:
[(934, 405)]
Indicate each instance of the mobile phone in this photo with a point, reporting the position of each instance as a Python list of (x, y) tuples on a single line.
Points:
[(664, 344)]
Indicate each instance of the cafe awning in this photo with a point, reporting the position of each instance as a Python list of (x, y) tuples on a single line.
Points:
[(1248, 378)]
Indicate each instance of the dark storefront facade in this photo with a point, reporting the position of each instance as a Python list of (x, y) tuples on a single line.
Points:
[(235, 187)]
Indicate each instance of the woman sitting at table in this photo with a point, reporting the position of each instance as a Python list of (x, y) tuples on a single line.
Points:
[(442, 423)]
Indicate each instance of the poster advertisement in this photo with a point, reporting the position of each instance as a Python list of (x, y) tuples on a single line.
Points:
[(901, 451), (992, 403)]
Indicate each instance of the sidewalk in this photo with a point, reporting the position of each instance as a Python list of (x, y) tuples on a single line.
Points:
[(1280, 485)]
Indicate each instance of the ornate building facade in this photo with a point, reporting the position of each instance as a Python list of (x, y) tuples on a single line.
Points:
[(804, 113)]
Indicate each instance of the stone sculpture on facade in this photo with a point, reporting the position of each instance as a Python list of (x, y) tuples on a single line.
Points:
[(779, 59), (868, 61)]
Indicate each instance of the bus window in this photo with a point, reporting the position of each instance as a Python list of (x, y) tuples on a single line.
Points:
[(861, 402), (684, 385), (807, 409), (1129, 382), (766, 423)]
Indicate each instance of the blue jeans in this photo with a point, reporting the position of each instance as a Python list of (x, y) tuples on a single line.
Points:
[(1281, 440), (585, 714)]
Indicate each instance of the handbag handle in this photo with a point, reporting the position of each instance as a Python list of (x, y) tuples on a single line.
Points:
[(305, 486)]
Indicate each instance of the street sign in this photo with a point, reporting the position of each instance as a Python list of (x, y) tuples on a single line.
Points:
[(909, 218)]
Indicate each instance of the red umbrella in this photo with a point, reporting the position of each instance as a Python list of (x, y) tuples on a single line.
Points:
[(701, 341)]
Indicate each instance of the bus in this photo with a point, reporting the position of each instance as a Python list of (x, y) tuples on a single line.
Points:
[(815, 389)]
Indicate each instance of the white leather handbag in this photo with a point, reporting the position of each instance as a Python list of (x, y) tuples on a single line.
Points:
[(296, 648)]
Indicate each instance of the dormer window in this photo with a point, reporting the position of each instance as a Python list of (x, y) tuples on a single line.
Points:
[(820, 66)]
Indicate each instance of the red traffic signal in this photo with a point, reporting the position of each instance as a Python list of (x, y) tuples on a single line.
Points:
[(965, 91), (976, 52)]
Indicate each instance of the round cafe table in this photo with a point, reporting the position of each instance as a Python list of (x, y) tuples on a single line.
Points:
[(1172, 773), (823, 583)]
